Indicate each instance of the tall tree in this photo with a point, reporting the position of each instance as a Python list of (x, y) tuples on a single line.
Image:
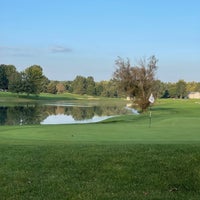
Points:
[(90, 85), (181, 89), (138, 81), (60, 87), (51, 87), (98, 88), (32, 78), (15, 83), (44, 83), (197, 87), (3, 78), (68, 86), (191, 86), (6, 72), (125, 76), (159, 89), (79, 85), (171, 87), (107, 89), (146, 79)]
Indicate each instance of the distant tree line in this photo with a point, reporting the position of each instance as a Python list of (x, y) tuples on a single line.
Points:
[(179, 89), (33, 81)]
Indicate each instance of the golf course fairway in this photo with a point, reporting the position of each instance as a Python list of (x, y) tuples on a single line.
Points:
[(124, 157)]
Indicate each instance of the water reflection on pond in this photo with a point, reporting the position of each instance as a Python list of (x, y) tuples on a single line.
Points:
[(63, 119), (57, 113)]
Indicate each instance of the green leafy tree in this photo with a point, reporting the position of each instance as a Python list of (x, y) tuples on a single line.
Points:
[(192, 87), (90, 85), (44, 83), (79, 85), (15, 83), (99, 88), (51, 88), (107, 88), (3, 78), (32, 78), (197, 88), (181, 90), (6, 75), (10, 69), (103, 88), (68, 86), (159, 88)]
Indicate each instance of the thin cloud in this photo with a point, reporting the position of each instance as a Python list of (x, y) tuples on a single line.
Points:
[(22, 55), (16, 51), (60, 49), (31, 52)]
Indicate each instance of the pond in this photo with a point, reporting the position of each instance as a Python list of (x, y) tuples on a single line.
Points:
[(58, 113)]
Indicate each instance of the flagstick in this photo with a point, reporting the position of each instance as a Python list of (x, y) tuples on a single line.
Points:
[(151, 101), (150, 116)]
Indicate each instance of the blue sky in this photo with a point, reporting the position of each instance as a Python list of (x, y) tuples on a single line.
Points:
[(85, 37)]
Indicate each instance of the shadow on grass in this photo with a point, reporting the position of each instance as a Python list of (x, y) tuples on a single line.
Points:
[(162, 109)]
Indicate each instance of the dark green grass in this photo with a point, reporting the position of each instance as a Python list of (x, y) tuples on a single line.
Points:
[(86, 172)]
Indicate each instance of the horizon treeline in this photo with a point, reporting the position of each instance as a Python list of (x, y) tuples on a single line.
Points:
[(33, 81)]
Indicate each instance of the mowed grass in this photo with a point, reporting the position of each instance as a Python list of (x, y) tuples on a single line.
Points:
[(123, 171), (6, 97), (121, 158)]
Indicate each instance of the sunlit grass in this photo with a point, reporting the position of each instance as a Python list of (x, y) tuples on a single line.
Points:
[(120, 158), (6, 97)]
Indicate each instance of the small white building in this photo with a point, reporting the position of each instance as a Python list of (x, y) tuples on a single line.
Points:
[(194, 95)]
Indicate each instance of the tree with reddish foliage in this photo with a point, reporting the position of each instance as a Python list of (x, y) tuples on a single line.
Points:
[(137, 81)]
